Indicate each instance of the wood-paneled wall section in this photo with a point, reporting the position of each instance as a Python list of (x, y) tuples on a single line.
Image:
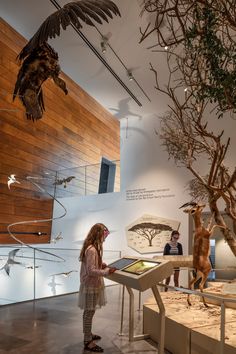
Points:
[(75, 131)]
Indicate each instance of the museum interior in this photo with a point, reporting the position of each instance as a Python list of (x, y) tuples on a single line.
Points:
[(117, 176)]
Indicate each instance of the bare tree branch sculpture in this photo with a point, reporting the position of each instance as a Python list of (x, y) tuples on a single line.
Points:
[(198, 37), (174, 17)]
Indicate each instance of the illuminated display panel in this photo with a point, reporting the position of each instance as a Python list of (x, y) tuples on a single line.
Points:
[(140, 267), (121, 263)]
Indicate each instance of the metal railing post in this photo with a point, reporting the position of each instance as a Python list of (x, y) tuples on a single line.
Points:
[(34, 274), (222, 328), (85, 180), (122, 307), (122, 312), (139, 300)]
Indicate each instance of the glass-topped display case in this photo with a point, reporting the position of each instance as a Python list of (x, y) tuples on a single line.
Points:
[(140, 267), (140, 273)]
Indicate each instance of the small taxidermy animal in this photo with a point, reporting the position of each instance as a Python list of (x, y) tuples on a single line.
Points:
[(40, 61)]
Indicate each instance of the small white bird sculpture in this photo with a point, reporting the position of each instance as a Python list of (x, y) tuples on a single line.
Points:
[(11, 180), (65, 274), (57, 238)]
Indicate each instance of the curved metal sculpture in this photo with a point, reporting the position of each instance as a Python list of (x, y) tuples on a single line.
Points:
[(32, 181)]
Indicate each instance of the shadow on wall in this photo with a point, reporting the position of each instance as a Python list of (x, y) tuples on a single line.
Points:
[(123, 110)]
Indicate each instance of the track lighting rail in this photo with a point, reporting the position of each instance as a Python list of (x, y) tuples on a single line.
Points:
[(101, 58)]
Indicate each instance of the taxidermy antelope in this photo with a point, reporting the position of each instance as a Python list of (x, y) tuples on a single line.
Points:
[(201, 246)]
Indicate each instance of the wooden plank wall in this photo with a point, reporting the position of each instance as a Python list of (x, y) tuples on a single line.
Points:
[(74, 131)]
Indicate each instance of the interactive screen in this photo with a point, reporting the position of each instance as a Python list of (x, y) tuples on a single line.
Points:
[(121, 263), (140, 267)]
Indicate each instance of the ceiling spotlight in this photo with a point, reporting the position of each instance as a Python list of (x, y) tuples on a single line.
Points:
[(130, 75), (104, 44), (166, 47)]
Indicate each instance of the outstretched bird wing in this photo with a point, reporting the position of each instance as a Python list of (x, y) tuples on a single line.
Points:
[(10, 261), (65, 273), (6, 267), (11, 256), (68, 179), (71, 13)]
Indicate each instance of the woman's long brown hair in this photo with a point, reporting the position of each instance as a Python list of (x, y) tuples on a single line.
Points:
[(94, 238)]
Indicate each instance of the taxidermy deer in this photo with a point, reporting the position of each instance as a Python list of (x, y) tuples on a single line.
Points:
[(201, 246)]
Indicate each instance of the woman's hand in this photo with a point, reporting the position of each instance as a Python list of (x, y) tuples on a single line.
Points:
[(104, 265), (112, 270)]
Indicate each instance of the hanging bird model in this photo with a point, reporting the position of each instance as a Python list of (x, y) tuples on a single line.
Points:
[(63, 181), (10, 261), (65, 274), (57, 238), (11, 180), (39, 59)]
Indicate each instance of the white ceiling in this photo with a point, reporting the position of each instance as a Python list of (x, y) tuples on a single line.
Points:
[(80, 63)]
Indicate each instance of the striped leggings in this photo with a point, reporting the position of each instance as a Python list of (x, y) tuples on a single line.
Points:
[(87, 324)]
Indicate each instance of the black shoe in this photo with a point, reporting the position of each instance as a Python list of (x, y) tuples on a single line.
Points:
[(94, 349), (96, 337)]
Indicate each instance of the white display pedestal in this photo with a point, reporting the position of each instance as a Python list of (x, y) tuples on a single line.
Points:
[(143, 274)]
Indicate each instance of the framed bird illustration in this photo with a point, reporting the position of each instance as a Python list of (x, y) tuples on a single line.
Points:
[(39, 61)]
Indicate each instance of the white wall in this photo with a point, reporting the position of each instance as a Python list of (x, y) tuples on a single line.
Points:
[(225, 260), (144, 165)]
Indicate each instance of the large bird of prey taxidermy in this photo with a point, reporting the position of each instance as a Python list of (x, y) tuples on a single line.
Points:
[(39, 59)]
